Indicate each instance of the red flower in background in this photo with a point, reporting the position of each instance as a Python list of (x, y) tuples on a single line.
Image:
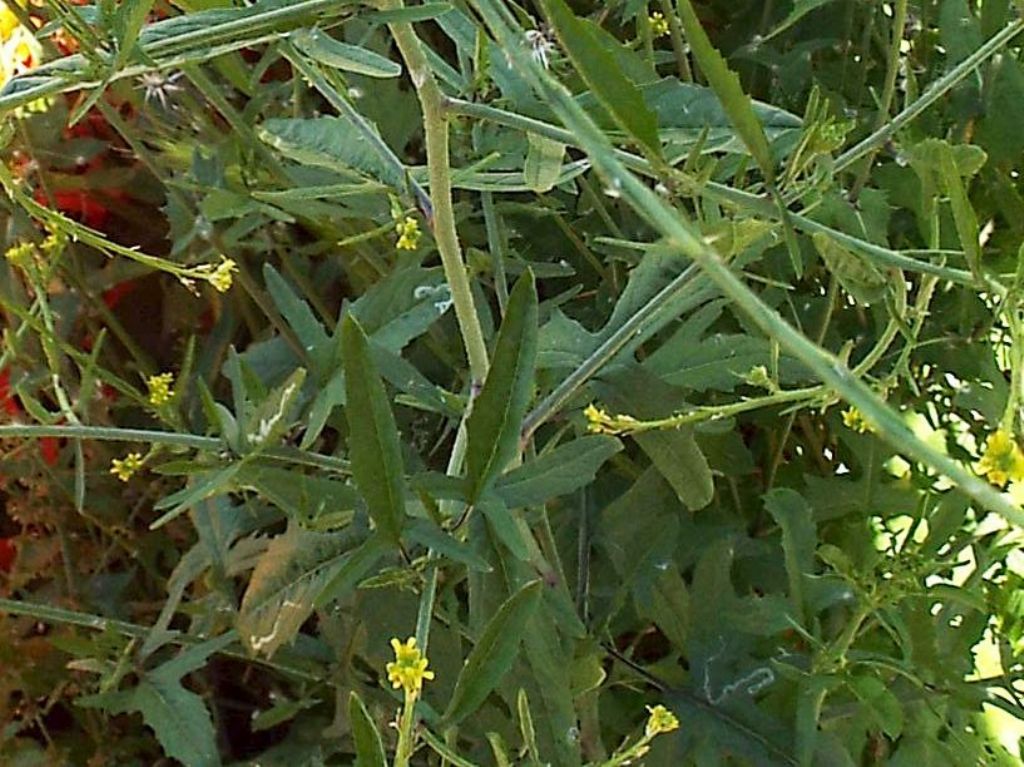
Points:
[(7, 554), (7, 401), (80, 205), (49, 448), (112, 296)]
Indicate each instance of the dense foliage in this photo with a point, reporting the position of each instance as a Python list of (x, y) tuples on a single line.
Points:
[(478, 383)]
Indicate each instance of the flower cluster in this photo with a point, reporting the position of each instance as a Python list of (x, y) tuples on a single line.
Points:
[(22, 255), (1002, 459), (221, 276), (409, 668), (659, 24), (20, 52), (854, 419), (660, 720), (160, 391), (125, 468), (409, 233), (599, 421)]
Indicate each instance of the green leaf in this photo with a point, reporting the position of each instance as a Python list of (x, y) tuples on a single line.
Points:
[(675, 453), (424, 12), (426, 533), (689, 114), (800, 9), (442, 750), (543, 163), (308, 329), (365, 735), (964, 217), (700, 361), (504, 526), (493, 654), (269, 421), (177, 716), (679, 459), (587, 45), (559, 472), (287, 580), (799, 539), (859, 277), (726, 85), (373, 436), (128, 21), (331, 142), (301, 496), (333, 53), (526, 728), (883, 707), (205, 485), (496, 419)]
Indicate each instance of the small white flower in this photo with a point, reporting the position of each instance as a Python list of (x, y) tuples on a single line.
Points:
[(160, 86), (540, 46)]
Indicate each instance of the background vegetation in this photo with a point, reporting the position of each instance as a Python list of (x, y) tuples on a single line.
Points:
[(625, 354)]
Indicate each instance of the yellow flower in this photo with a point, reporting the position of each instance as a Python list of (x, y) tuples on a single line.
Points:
[(124, 468), (599, 421), (409, 668), (1002, 459), (160, 391), (659, 24), (8, 22), (21, 255), (660, 720), (408, 233), (221, 276), (854, 419)]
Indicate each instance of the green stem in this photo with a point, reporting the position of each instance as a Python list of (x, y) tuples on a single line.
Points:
[(678, 44), (284, 453), (75, 72), (435, 125), (51, 614), (746, 201), (406, 741), (899, 22), (935, 91), (496, 243), (688, 281)]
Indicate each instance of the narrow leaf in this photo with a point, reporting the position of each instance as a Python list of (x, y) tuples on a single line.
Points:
[(964, 217), (325, 50), (373, 436), (563, 470), (858, 276), (726, 85), (332, 142), (426, 533), (497, 416), (680, 461), (581, 40), (365, 735), (543, 163), (799, 538), (493, 654), (272, 417)]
